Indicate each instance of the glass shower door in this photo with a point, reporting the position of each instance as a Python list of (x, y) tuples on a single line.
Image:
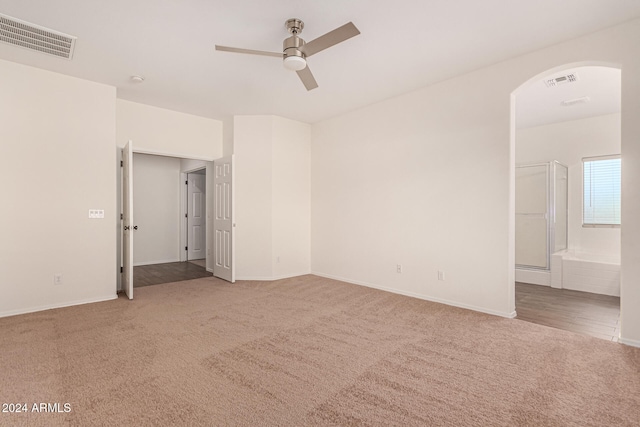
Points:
[(532, 218), (561, 202)]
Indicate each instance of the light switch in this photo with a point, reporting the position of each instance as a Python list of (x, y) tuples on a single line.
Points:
[(96, 213)]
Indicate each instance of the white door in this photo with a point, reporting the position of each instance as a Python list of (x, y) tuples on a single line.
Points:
[(196, 216), (223, 220), (127, 219)]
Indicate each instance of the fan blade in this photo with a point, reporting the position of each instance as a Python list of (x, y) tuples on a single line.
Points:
[(330, 39), (307, 78), (249, 51)]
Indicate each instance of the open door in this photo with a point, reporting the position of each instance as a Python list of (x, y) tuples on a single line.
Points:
[(223, 220), (127, 219)]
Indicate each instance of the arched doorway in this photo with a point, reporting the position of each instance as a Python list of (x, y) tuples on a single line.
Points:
[(559, 118)]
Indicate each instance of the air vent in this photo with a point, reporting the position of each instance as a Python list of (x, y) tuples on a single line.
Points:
[(571, 102), (19, 33), (561, 80)]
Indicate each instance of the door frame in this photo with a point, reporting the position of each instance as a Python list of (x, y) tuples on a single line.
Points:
[(119, 207), (184, 232)]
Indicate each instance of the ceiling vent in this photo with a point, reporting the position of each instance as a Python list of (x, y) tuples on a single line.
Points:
[(571, 102), (561, 80), (34, 37)]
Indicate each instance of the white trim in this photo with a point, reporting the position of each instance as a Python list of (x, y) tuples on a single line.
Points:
[(138, 150), (183, 217), (422, 297), (533, 277), (53, 306), (607, 157), (273, 278), (626, 341), (164, 261)]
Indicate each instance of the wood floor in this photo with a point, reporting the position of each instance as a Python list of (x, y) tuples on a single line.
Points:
[(581, 312), (156, 274)]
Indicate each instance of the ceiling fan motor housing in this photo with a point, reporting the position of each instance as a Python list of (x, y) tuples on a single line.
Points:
[(291, 47)]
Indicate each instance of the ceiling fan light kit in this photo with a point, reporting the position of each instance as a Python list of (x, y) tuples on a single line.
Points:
[(294, 63), (295, 50)]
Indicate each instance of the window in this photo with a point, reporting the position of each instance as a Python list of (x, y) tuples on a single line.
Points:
[(601, 191)]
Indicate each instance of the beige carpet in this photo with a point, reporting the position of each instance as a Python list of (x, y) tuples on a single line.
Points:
[(306, 351)]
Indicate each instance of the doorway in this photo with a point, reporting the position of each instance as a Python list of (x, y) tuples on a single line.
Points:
[(157, 231), (195, 217), (568, 114), (163, 222)]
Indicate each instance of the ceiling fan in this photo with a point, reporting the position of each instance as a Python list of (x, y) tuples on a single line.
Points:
[(295, 50)]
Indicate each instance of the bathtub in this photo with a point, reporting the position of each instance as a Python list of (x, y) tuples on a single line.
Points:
[(598, 274)]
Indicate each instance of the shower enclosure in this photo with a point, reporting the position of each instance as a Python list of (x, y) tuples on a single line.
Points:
[(541, 213)]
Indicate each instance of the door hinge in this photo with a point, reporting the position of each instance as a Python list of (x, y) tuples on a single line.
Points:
[(121, 269), (186, 248), (121, 163), (121, 216), (186, 183), (186, 215)]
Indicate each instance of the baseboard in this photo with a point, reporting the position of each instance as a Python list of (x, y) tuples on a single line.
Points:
[(271, 278), (533, 277), (423, 297), (210, 270), (632, 343), (164, 261), (54, 306)]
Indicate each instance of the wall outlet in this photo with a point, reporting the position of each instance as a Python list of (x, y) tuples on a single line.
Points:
[(440, 275), (57, 279), (399, 268), (96, 213)]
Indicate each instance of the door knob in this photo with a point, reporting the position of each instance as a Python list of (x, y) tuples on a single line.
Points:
[(135, 227), (126, 227)]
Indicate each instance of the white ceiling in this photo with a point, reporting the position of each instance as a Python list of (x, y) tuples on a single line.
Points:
[(404, 45), (537, 104)]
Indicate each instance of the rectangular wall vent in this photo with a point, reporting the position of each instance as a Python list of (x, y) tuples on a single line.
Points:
[(34, 37), (570, 102), (560, 80)]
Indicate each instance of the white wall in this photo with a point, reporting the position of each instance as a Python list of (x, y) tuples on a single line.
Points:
[(159, 131), (189, 165), (227, 137), (291, 209), (421, 180), (426, 180), (58, 162), (253, 183), (568, 142), (156, 209), (272, 197)]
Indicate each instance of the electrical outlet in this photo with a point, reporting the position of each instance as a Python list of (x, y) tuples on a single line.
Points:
[(440, 275), (96, 213), (399, 268), (57, 279)]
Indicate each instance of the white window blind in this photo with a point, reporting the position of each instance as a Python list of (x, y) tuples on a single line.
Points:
[(601, 190)]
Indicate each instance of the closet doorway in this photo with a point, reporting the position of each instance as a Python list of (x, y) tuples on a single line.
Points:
[(170, 207), (195, 217)]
